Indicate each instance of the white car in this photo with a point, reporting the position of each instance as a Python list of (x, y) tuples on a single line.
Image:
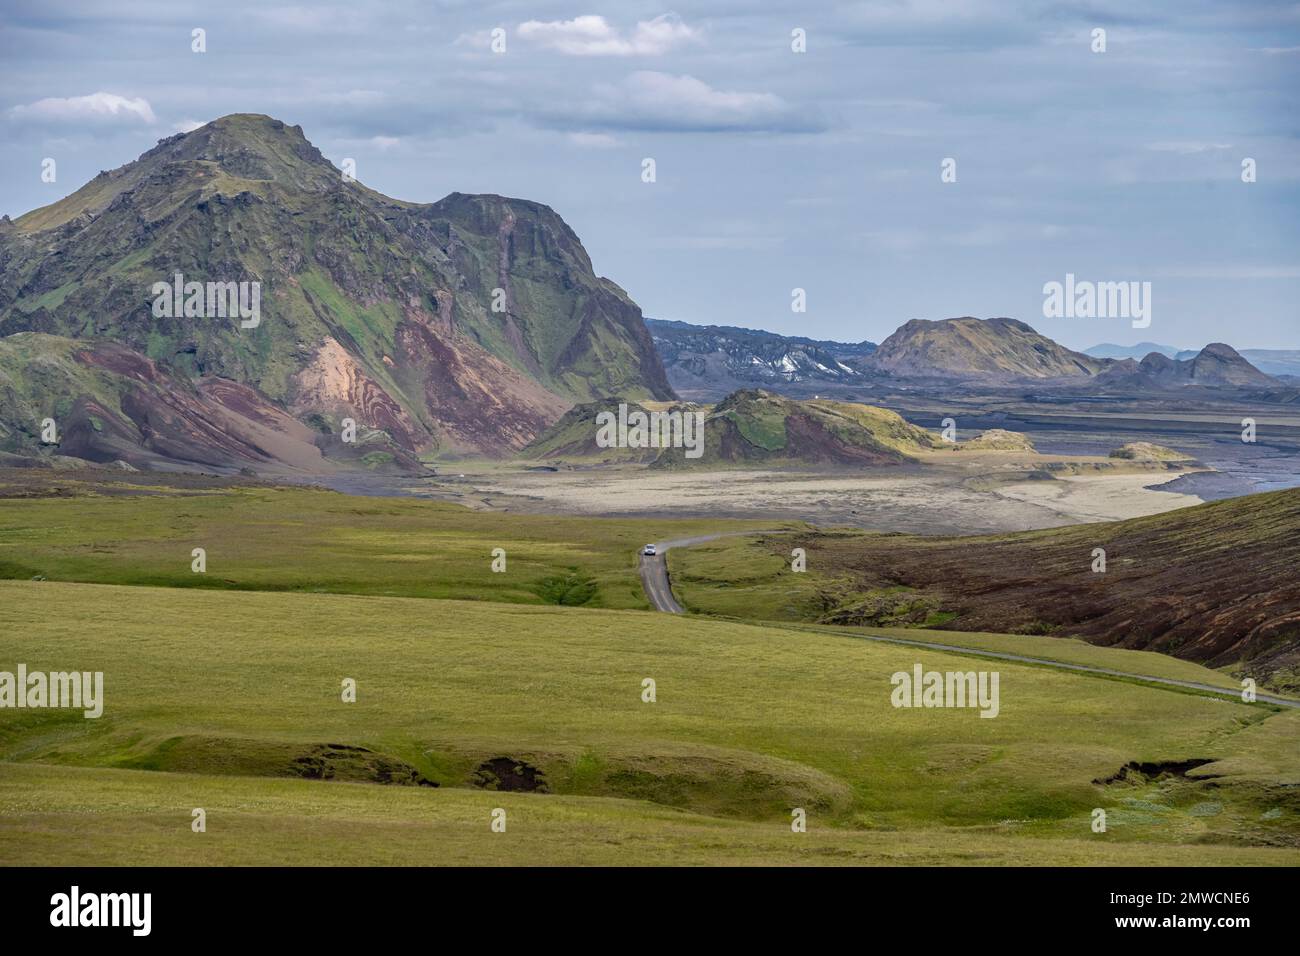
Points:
[(649, 551)]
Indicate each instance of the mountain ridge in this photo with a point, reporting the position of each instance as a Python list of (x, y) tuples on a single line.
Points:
[(708, 362), (461, 326)]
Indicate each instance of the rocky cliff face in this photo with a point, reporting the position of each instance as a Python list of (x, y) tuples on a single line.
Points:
[(462, 326)]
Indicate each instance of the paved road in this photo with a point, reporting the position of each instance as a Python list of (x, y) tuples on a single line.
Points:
[(654, 578), (654, 571)]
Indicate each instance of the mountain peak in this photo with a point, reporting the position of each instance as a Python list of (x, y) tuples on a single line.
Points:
[(466, 325), (251, 146), (241, 152)]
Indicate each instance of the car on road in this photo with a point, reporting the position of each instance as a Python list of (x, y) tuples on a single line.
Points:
[(649, 550)]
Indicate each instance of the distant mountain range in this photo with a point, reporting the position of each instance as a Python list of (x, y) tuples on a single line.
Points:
[(1215, 365), (232, 301), (710, 361), (1139, 351), (1268, 361), (463, 326)]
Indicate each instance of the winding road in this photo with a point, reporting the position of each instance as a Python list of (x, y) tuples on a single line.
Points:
[(654, 570), (654, 578)]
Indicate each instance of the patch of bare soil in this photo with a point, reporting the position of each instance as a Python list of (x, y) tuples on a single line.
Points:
[(1138, 772), (509, 774), (357, 764)]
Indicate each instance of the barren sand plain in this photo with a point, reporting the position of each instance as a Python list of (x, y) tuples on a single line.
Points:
[(985, 493)]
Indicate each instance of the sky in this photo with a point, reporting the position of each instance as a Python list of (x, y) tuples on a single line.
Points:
[(774, 170)]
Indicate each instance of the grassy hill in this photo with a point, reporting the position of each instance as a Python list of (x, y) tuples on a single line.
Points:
[(754, 427), (236, 708), (573, 437)]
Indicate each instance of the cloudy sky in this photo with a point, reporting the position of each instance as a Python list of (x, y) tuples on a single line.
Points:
[(775, 170)]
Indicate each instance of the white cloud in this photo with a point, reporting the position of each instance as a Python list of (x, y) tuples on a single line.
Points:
[(478, 39), (1232, 272), (595, 36), (594, 140), (353, 98), (97, 106), (651, 100), (187, 125), (1188, 148), (384, 143)]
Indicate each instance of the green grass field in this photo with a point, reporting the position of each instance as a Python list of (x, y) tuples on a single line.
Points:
[(215, 699), (300, 539)]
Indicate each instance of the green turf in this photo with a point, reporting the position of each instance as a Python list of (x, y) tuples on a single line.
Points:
[(216, 692), (299, 539), (90, 817)]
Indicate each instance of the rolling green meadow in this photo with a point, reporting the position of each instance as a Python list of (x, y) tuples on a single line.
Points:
[(477, 691), (306, 539)]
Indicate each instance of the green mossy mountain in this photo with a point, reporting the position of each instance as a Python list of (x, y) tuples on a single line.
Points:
[(371, 308), (756, 427), (748, 427), (573, 437)]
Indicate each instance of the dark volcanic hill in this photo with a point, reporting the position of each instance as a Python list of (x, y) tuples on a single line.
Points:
[(979, 349), (1215, 583), (1216, 366), (370, 308), (707, 362)]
